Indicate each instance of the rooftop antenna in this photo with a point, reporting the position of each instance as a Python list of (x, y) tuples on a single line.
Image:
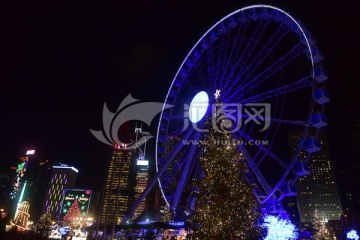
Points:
[(138, 145)]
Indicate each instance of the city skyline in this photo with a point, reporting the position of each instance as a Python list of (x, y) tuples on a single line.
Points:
[(58, 79)]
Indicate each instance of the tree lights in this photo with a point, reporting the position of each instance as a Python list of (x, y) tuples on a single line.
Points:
[(226, 204), (321, 232), (352, 235), (279, 229)]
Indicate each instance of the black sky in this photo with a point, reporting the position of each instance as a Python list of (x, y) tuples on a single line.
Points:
[(60, 61)]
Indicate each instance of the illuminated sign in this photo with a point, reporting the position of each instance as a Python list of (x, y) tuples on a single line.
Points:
[(75, 205), (142, 163), (30, 152)]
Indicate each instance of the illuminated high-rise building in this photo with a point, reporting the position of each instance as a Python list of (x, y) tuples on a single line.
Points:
[(317, 190), (62, 177), (142, 175), (40, 173), (117, 191), (5, 188)]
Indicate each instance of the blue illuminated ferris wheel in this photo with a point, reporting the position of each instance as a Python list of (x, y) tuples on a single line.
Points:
[(260, 60)]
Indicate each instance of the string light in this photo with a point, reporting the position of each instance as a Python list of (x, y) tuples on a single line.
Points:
[(352, 235), (279, 229), (226, 203)]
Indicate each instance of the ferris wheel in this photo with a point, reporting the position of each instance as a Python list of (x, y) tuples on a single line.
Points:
[(265, 68), (258, 59)]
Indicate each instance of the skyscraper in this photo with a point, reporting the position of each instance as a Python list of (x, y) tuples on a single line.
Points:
[(318, 190), (41, 173), (142, 174), (117, 191), (62, 177)]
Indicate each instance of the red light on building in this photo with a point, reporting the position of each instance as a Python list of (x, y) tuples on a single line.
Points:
[(24, 159)]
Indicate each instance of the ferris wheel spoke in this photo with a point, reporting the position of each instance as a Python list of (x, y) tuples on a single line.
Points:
[(278, 120), (236, 44), (177, 117), (159, 171), (264, 149), (177, 132), (169, 176), (290, 122), (235, 49), (176, 148), (302, 83), (220, 69), (260, 28), (265, 52), (254, 167), (250, 46), (185, 173), (296, 51)]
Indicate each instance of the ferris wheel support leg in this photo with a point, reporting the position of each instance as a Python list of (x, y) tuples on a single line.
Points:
[(184, 175), (154, 180), (255, 169)]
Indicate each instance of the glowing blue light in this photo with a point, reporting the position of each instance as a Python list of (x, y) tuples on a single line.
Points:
[(20, 199), (352, 235), (198, 106), (278, 228)]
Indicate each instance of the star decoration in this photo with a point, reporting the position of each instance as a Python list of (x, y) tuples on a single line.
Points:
[(217, 93)]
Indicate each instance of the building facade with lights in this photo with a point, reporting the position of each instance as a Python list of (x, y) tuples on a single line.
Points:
[(318, 190), (62, 177), (142, 177), (118, 190)]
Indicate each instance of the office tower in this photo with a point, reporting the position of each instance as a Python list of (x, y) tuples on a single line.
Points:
[(41, 173), (317, 190), (351, 190), (5, 188), (291, 207), (142, 174), (117, 190), (171, 171), (62, 177), (93, 208)]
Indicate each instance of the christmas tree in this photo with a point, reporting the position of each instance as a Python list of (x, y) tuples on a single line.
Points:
[(279, 229), (74, 212), (43, 226), (321, 232), (166, 215), (226, 204)]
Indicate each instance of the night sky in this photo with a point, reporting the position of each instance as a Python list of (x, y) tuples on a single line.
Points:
[(60, 61)]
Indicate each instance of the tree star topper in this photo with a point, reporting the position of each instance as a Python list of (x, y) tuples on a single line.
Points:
[(217, 93)]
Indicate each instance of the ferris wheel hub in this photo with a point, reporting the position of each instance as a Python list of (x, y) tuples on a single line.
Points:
[(198, 106)]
